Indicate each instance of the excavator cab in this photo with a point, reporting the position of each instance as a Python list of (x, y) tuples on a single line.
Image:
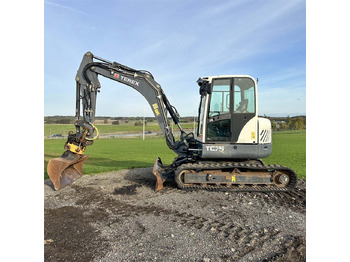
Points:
[(226, 107), (228, 122)]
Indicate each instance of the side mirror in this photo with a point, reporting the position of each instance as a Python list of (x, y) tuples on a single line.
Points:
[(204, 87)]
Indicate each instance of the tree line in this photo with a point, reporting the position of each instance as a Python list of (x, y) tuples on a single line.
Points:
[(107, 119), (288, 123)]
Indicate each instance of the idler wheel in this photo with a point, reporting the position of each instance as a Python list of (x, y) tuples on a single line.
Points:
[(280, 179)]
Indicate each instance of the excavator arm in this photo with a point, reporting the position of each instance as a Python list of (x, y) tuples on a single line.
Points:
[(66, 169), (88, 86)]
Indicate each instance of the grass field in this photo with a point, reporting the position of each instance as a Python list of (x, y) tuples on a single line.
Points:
[(289, 149), (115, 154)]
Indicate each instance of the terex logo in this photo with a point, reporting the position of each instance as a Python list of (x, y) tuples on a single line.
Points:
[(215, 148), (131, 81)]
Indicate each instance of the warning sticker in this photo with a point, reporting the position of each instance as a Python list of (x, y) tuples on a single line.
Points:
[(253, 135)]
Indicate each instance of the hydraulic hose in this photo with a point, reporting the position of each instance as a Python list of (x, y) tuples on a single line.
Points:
[(97, 133)]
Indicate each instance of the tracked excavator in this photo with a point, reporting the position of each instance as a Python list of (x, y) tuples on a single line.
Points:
[(224, 154)]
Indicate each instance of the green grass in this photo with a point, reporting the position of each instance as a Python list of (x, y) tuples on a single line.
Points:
[(289, 149), (115, 154)]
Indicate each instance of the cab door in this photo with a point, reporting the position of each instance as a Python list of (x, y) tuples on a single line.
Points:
[(220, 111)]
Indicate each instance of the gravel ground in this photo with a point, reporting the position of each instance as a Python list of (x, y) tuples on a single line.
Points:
[(117, 216)]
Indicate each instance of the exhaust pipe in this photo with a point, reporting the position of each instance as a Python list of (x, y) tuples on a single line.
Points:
[(64, 170)]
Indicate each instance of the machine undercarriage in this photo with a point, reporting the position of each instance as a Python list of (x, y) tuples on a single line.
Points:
[(239, 176)]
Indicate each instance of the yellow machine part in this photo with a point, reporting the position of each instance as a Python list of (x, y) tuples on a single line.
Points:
[(75, 149)]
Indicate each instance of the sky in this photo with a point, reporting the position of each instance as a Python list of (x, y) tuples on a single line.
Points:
[(178, 41)]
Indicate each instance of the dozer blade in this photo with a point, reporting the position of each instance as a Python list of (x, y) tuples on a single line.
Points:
[(162, 173), (64, 170)]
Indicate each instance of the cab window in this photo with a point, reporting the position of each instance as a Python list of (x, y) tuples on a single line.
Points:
[(244, 96), (220, 98)]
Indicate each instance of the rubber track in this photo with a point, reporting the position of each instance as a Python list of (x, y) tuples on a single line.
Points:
[(256, 165)]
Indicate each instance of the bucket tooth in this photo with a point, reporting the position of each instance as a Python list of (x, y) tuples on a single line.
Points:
[(64, 170)]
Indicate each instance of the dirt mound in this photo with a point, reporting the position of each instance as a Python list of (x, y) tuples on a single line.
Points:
[(117, 216)]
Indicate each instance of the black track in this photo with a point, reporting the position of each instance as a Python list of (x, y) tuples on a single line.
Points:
[(251, 166)]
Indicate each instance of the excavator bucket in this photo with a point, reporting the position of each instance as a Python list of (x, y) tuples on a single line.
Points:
[(64, 170), (161, 173)]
